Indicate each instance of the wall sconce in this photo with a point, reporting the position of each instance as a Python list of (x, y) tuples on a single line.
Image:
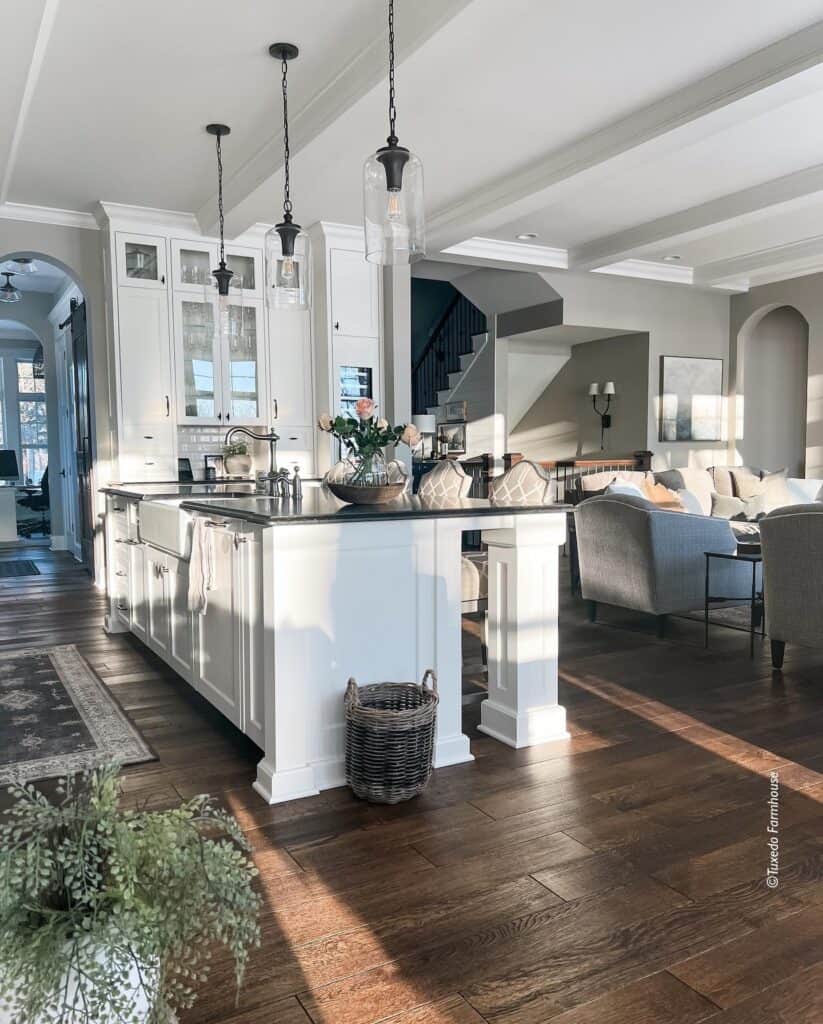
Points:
[(605, 417)]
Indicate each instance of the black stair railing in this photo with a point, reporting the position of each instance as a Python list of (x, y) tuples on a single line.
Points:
[(449, 339)]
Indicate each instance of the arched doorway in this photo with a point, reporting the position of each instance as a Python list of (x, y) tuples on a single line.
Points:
[(772, 382), (47, 415)]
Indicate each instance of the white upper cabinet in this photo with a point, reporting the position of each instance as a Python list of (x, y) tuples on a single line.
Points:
[(219, 368), (141, 260), (354, 295), (290, 383), (193, 262), (146, 393)]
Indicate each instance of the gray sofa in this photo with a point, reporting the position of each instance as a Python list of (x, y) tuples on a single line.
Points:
[(792, 540), (634, 555)]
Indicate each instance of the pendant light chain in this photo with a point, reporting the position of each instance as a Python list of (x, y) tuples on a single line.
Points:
[(392, 108), (220, 198), (286, 177)]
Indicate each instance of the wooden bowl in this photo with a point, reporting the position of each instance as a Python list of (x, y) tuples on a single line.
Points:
[(367, 495)]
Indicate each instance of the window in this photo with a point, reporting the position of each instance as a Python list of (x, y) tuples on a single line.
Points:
[(31, 408)]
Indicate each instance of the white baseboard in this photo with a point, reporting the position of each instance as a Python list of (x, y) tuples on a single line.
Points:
[(59, 542)]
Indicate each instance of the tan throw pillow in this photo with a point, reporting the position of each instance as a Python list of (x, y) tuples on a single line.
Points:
[(749, 485), (662, 496), (726, 507)]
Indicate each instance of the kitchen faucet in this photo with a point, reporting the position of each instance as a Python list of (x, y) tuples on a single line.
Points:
[(276, 479)]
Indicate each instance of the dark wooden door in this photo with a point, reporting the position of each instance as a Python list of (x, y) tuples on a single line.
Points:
[(85, 453)]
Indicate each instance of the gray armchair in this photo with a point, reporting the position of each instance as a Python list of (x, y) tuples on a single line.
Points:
[(634, 555), (792, 540)]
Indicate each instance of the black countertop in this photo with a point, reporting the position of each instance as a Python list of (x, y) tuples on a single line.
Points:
[(319, 506), (175, 489)]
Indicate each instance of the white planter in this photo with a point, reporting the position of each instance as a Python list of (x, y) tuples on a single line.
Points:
[(136, 996), (237, 465)]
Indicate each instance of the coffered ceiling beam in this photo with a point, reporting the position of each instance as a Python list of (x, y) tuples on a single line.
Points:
[(757, 263), (698, 221), (421, 20), (521, 193)]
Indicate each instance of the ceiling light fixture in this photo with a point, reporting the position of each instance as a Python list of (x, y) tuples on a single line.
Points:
[(8, 293), (393, 192), (222, 275), (25, 265), (527, 236), (288, 247)]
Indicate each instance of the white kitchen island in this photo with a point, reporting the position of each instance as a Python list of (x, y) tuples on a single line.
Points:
[(318, 592)]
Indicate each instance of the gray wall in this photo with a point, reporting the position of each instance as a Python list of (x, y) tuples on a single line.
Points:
[(562, 423)]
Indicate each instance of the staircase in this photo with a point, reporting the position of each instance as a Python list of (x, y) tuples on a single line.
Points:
[(449, 351)]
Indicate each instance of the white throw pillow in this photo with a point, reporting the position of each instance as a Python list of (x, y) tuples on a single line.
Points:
[(691, 503)]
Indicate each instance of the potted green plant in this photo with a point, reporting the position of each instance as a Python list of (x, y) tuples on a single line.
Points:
[(111, 915), (236, 458)]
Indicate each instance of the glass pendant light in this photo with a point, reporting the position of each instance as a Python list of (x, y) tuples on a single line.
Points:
[(393, 192), (288, 247), (222, 275), (8, 293)]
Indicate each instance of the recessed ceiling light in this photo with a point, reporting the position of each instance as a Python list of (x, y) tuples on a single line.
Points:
[(527, 236), (672, 259)]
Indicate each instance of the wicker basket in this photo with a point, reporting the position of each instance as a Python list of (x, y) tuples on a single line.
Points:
[(390, 738)]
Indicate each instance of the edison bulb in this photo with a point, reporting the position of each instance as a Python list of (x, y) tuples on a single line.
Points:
[(287, 269), (394, 210)]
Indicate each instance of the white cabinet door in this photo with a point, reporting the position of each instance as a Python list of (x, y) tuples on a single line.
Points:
[(180, 618), (249, 631), (355, 308), (157, 602), (216, 673), (137, 590), (145, 357), (197, 360), (243, 365), (141, 261), (290, 377)]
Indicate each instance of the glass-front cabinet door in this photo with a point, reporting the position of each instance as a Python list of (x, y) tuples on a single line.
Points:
[(199, 384), (192, 264), (243, 364), (247, 265), (141, 260)]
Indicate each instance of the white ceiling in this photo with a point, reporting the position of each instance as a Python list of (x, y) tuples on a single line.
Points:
[(620, 133), (47, 279)]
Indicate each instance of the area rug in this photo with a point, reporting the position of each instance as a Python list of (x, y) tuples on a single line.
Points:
[(738, 616), (57, 717), (18, 567)]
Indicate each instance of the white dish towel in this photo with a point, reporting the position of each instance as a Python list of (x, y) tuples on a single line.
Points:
[(201, 565)]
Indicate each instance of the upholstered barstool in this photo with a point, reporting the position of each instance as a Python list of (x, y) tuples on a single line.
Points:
[(524, 484)]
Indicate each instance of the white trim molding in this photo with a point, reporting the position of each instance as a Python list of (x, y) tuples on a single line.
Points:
[(510, 252), (48, 215)]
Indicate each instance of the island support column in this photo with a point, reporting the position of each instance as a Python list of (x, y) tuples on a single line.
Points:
[(522, 707)]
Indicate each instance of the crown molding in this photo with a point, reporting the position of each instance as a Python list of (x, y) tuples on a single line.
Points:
[(48, 215), (649, 270), (120, 214), (510, 252)]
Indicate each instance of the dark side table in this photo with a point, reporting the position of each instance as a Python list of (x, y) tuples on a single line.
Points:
[(758, 610)]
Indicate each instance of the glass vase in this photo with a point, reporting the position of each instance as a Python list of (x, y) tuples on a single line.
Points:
[(370, 470)]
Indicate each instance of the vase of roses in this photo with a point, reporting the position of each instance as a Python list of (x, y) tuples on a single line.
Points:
[(365, 479)]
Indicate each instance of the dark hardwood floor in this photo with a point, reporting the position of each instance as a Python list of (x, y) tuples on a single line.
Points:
[(614, 878)]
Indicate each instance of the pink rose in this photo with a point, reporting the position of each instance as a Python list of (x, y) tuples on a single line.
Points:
[(364, 407)]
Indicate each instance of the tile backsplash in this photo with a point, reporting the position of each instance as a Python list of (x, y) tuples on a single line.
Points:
[(195, 442)]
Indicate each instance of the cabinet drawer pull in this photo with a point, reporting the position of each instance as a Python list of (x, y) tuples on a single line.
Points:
[(122, 606), (215, 525), (276, 409), (238, 540), (168, 406), (121, 573)]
